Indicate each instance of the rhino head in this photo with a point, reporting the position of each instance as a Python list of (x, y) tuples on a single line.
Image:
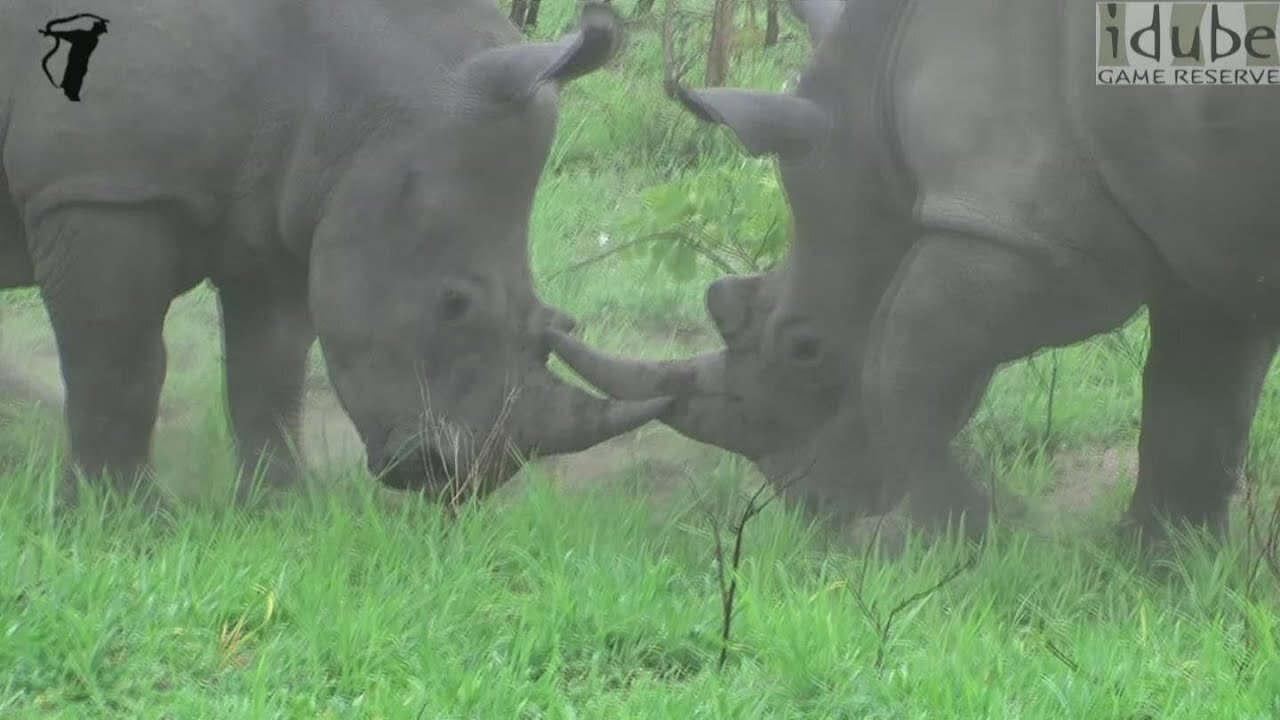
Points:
[(421, 291), (793, 337)]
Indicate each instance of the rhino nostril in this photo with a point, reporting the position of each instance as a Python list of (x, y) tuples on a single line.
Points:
[(566, 324), (557, 319)]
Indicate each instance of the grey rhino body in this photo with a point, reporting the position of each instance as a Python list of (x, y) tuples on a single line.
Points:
[(964, 195), (358, 171)]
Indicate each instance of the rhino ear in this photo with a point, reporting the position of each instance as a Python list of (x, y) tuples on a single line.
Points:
[(819, 16), (513, 73), (766, 123)]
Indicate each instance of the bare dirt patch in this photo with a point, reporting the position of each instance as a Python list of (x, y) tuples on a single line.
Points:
[(1083, 480), (328, 437), (656, 460), (19, 389), (30, 377)]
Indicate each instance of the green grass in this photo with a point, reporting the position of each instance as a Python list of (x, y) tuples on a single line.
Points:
[(588, 587), (545, 604)]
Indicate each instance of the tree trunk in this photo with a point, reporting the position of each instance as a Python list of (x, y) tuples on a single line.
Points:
[(519, 8), (531, 17), (771, 23), (721, 43), (670, 75)]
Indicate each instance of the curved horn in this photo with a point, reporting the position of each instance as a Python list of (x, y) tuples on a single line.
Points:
[(556, 418), (701, 410), (513, 73), (627, 379)]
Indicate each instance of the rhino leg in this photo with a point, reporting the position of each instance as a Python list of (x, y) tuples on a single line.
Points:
[(958, 309), (267, 333), (1201, 385), (107, 276)]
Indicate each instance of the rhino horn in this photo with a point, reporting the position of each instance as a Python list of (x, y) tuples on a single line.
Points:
[(699, 411), (766, 123), (623, 378), (513, 73), (555, 418), (819, 16)]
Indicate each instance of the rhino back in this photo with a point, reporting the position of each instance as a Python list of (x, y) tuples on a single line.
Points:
[(223, 105), (979, 88), (173, 94), (1002, 124)]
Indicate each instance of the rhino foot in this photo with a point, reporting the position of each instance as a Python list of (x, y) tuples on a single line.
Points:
[(111, 492), (1154, 536), (268, 333), (883, 536), (276, 480)]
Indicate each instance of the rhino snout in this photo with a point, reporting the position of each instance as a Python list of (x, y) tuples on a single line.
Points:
[(428, 460), (420, 470)]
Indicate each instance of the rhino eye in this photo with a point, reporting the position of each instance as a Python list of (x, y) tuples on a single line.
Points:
[(454, 304), (803, 349), (806, 351)]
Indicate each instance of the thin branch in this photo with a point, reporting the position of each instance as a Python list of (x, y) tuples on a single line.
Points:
[(884, 626), (1053, 391), (729, 589), (601, 257)]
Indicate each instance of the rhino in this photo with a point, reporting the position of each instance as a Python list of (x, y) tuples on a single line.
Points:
[(964, 194), (361, 172)]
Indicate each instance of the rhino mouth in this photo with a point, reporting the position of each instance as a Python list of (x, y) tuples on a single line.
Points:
[(436, 458), (441, 458), (419, 471)]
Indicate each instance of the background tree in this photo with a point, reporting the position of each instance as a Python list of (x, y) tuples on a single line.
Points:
[(524, 13), (771, 23), (721, 44)]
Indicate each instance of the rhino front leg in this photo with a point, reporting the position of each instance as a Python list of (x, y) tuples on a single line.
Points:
[(1201, 384), (267, 333), (958, 309), (107, 276)]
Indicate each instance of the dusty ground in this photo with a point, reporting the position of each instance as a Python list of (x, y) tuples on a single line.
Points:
[(30, 380), (1084, 475), (655, 460)]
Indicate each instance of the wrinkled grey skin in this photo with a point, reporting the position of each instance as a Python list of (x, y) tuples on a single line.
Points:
[(964, 196), (358, 170)]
